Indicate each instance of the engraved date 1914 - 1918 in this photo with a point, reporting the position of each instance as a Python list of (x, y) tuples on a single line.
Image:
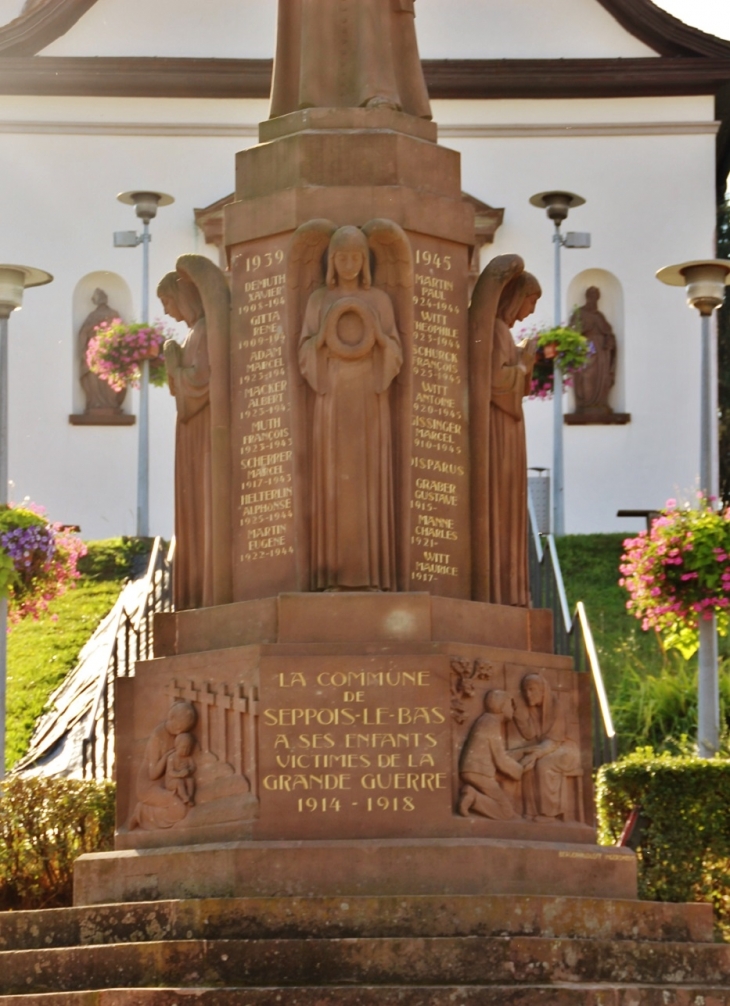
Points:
[(396, 803)]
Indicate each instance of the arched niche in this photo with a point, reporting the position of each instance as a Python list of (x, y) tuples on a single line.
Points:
[(611, 304), (120, 300)]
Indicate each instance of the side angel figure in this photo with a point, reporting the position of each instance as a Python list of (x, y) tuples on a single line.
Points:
[(355, 326), (199, 377), (499, 377)]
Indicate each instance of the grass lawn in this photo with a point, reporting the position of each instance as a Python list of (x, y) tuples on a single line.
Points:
[(41, 653), (590, 569), (652, 694)]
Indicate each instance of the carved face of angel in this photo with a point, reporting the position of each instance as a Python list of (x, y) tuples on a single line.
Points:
[(349, 258), (349, 263), (527, 307), (170, 307)]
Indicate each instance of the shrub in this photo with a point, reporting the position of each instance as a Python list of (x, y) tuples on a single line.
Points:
[(660, 710), (683, 840), (45, 824)]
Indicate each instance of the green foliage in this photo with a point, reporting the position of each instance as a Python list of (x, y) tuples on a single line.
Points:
[(41, 653), (45, 825), (652, 692), (723, 357), (684, 837), (112, 558), (16, 516), (590, 568), (8, 576), (661, 709), (568, 346)]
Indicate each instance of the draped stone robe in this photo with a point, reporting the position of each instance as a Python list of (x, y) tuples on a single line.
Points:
[(508, 472), (190, 384), (346, 54), (350, 370)]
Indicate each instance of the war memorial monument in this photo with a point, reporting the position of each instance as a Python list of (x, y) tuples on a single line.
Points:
[(354, 694)]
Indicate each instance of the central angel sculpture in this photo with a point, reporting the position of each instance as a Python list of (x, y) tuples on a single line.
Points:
[(351, 296)]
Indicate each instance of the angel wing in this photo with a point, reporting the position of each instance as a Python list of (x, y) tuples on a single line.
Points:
[(394, 274), (305, 271), (482, 316), (216, 297)]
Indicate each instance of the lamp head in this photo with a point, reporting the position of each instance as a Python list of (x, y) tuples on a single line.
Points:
[(557, 204), (13, 281), (146, 203), (705, 282)]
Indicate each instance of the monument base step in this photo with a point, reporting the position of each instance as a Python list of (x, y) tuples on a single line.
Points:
[(424, 916), (380, 951), (359, 867), (538, 995)]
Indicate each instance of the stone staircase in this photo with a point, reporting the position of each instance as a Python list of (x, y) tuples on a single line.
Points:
[(356, 951)]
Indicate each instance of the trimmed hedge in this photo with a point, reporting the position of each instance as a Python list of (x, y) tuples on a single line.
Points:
[(683, 836), (45, 824)]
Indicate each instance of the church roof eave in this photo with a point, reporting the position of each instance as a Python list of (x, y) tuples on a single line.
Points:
[(46, 20), (39, 25), (663, 32)]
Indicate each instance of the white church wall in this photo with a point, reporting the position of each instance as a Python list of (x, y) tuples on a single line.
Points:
[(495, 29)]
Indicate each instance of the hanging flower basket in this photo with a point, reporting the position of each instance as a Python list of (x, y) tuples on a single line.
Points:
[(679, 573), (37, 560), (566, 345), (116, 353)]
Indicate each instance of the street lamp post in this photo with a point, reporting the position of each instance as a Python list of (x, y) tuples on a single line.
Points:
[(705, 282), (558, 205), (13, 281), (146, 205)]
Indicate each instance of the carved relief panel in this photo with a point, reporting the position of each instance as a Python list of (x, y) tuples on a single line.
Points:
[(197, 768), (523, 747)]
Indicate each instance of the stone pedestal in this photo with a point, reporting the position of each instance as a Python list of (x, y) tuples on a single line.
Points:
[(328, 732), (362, 868)]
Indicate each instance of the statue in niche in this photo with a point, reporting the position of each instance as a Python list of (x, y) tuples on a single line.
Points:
[(100, 397), (180, 769), (550, 755), (354, 332), (593, 383), (345, 54), (159, 805), (197, 293), (485, 762), (504, 295)]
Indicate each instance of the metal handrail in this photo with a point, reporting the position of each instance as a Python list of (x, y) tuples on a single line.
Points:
[(573, 636), (133, 640)]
